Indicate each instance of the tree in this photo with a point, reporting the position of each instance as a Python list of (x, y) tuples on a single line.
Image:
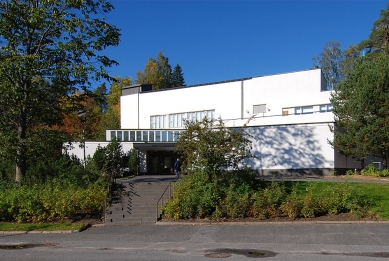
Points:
[(360, 108), (379, 36), (48, 49), (100, 98), (133, 161), (111, 116), (330, 61), (158, 72), (213, 148), (178, 77), (109, 159)]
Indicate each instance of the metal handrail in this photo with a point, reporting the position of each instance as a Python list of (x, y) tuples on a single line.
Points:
[(168, 188)]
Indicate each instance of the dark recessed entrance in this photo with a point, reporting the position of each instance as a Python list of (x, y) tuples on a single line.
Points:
[(161, 162)]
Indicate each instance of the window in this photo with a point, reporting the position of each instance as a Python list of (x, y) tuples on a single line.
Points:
[(170, 135), (164, 138), (171, 121), (125, 136), (307, 110), (179, 119), (326, 108), (119, 136), (211, 114), (138, 136), (113, 135), (285, 112), (158, 122), (176, 120), (259, 108), (176, 135), (303, 110), (152, 122), (132, 135), (164, 121)]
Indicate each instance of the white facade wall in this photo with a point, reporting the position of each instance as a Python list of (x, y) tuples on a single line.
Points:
[(77, 149), (285, 90), (301, 146), (223, 98), (234, 101)]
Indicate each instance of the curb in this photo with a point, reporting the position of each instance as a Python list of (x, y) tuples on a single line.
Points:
[(38, 232), (162, 223), (49, 232)]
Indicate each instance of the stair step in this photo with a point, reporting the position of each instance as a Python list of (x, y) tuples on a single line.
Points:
[(135, 203)]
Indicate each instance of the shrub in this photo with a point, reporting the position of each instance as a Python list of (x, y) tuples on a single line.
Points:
[(50, 202), (293, 203), (238, 195), (267, 201), (370, 170)]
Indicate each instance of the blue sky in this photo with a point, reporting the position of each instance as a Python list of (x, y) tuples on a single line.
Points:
[(224, 40)]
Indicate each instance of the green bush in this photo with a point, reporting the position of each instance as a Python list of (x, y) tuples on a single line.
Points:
[(50, 202), (196, 196), (267, 201), (370, 170), (238, 195)]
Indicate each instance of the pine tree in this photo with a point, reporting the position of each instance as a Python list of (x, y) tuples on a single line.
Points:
[(177, 77)]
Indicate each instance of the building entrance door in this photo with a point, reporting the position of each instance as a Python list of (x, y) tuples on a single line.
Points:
[(154, 165), (160, 162)]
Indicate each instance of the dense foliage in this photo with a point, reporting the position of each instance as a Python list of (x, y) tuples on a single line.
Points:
[(360, 108), (53, 201), (210, 146), (239, 195), (62, 189), (159, 73), (48, 50)]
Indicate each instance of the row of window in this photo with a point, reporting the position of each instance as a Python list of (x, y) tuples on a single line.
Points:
[(177, 120), (306, 109), (146, 135)]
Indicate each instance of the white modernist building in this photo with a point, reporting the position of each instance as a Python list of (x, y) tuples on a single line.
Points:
[(292, 117)]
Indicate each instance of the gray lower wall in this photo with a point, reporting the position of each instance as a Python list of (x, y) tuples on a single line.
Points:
[(307, 172)]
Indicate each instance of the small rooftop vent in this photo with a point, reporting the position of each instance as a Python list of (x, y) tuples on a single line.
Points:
[(134, 89)]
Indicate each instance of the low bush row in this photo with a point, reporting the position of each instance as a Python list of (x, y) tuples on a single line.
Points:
[(239, 195), (50, 202), (370, 170)]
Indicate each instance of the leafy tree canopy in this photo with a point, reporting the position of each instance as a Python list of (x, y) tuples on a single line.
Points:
[(158, 72), (48, 49), (210, 146), (110, 119), (330, 61)]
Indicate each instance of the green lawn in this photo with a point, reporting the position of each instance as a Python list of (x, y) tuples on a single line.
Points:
[(376, 193), (39, 227)]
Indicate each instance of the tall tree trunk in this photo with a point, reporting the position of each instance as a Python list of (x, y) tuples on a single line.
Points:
[(21, 159)]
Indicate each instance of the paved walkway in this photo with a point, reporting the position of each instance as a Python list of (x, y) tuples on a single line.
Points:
[(148, 178), (353, 178)]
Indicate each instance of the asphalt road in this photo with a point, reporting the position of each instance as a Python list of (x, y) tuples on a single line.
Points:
[(263, 241)]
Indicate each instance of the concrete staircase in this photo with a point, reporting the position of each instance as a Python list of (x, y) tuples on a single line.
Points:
[(134, 202)]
